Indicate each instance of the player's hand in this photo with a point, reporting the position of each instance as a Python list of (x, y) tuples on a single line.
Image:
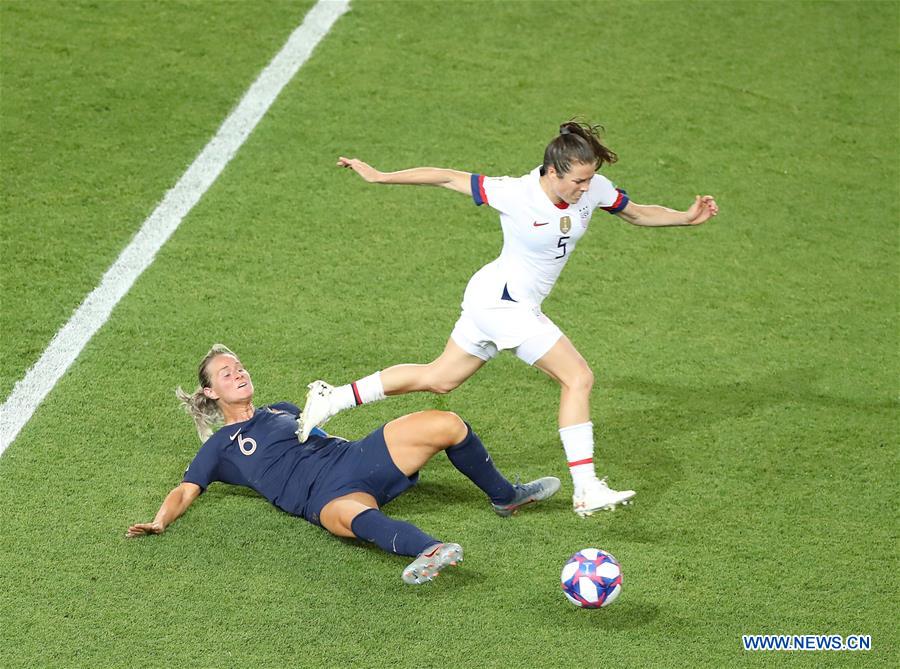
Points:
[(703, 209), (364, 170), (143, 529)]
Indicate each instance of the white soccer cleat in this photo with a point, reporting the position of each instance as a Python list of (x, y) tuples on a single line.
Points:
[(317, 409), (597, 496)]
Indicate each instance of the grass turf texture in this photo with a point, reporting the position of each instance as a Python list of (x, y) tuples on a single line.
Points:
[(746, 369)]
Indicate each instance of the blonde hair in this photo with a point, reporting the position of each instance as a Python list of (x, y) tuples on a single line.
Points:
[(204, 410)]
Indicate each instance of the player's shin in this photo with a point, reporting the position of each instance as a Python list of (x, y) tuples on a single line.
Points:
[(471, 458), (365, 390), (578, 443), (391, 535)]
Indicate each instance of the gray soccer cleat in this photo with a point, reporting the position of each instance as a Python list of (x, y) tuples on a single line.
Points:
[(598, 496), (317, 409), (430, 562), (527, 493)]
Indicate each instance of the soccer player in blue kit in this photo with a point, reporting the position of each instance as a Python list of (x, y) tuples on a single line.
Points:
[(337, 484), (543, 215)]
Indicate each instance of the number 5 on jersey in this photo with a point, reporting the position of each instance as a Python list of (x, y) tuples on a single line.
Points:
[(561, 244)]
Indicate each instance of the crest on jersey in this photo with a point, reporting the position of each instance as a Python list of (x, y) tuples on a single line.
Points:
[(565, 224)]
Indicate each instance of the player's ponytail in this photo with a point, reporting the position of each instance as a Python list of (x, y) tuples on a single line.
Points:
[(576, 143), (203, 410)]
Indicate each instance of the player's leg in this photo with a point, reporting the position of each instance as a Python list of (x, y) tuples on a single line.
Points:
[(357, 515), (414, 439), (566, 365), (445, 373), (442, 375)]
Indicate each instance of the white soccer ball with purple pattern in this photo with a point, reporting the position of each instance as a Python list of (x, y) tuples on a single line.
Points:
[(591, 579)]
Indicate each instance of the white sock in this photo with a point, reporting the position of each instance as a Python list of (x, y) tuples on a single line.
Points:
[(367, 389), (578, 443), (342, 398)]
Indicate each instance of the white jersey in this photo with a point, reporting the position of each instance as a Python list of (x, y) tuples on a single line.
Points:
[(538, 235)]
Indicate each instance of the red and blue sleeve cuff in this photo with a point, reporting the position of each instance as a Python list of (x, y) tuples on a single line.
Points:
[(478, 194), (620, 203)]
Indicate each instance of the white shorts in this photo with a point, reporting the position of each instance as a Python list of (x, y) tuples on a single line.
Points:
[(485, 331)]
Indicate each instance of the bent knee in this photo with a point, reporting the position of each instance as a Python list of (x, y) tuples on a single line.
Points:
[(580, 381), (447, 428), (337, 515), (439, 381), (442, 386)]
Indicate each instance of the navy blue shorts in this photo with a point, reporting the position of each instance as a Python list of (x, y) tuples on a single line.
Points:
[(358, 466)]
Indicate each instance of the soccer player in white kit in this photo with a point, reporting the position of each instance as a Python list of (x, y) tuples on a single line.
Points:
[(543, 215)]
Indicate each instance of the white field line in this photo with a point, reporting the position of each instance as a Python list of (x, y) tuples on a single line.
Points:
[(68, 343)]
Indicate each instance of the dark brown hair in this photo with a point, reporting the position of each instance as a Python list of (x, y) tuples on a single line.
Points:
[(576, 142)]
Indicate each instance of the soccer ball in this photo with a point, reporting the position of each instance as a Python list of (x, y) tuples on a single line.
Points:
[(591, 578)]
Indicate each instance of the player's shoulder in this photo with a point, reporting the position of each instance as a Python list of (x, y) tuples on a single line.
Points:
[(217, 440), (283, 407), (603, 193), (507, 189), (530, 179), (602, 182), (507, 181), (530, 182)]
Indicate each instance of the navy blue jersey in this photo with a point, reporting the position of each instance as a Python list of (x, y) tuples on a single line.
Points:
[(263, 454)]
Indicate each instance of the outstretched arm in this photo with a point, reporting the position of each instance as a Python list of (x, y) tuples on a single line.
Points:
[(651, 215), (175, 504), (456, 180)]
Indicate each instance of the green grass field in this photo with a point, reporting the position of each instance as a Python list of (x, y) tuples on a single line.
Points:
[(746, 370)]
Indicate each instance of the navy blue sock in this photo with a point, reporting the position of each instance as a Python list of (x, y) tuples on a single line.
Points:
[(394, 536), (471, 458)]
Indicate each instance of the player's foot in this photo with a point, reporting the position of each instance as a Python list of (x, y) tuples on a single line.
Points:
[(430, 563), (317, 409), (527, 493), (597, 496)]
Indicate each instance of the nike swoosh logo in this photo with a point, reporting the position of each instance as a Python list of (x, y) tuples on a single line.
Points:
[(537, 225), (231, 438)]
